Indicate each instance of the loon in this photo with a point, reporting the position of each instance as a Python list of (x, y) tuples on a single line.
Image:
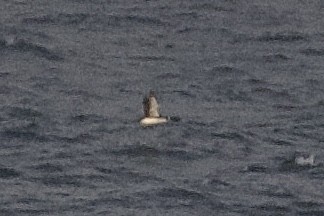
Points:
[(151, 112)]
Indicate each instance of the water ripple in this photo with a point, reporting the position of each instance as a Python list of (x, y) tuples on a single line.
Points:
[(62, 18), (49, 168), (8, 173), (282, 37), (22, 45), (313, 52), (148, 151)]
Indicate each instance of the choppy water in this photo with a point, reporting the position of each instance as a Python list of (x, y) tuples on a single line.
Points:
[(246, 78)]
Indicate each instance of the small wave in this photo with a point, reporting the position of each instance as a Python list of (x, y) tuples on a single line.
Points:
[(38, 20), (3, 44), (268, 92), (4, 74), (32, 211), (83, 93), (184, 93), (116, 20), (118, 173), (311, 213), (38, 50), (120, 201), (19, 133), (100, 22), (139, 150), (209, 6), (151, 58), (255, 81), (317, 172), (181, 155), (4, 89), (80, 138), (277, 192), (237, 96), (270, 208), (284, 107), (212, 124), (313, 83), (8, 173), (215, 182), (29, 200), (320, 103), (116, 130), (180, 193), (58, 181), (187, 15), (169, 46), (229, 136), (62, 18), (281, 142), (282, 37), (142, 150), (49, 168), (240, 38), (145, 20), (22, 113), (7, 211), (198, 123), (187, 30), (258, 168), (168, 76), (226, 71), (62, 155), (312, 52), (110, 170), (275, 58), (92, 118), (307, 204)]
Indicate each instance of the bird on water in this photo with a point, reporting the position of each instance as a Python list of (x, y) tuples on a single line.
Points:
[(151, 112)]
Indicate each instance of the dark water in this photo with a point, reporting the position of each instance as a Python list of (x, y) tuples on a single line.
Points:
[(246, 78)]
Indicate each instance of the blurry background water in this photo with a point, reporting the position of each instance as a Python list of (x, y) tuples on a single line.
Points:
[(246, 78)]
